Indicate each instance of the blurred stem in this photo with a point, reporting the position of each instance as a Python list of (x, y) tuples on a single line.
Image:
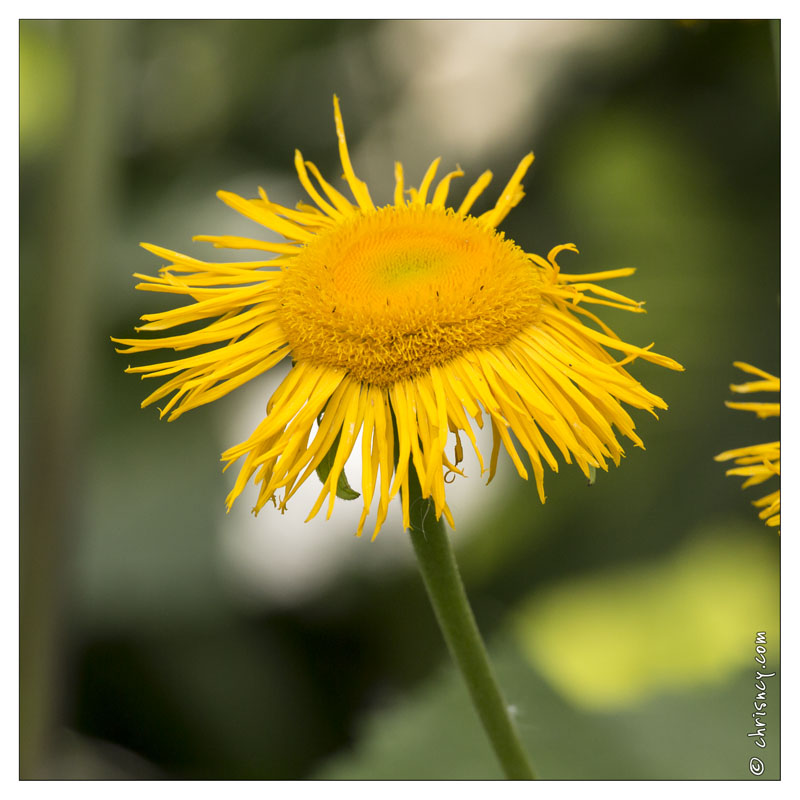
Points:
[(445, 589), (73, 215)]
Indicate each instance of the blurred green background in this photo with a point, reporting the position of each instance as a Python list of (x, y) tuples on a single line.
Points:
[(162, 638)]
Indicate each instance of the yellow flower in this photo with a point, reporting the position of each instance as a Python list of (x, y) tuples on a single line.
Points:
[(758, 462), (405, 323)]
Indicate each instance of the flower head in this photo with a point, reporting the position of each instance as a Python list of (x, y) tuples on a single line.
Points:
[(405, 323), (759, 462)]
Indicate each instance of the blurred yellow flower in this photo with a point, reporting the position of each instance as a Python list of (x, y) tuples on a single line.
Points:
[(758, 462), (402, 322)]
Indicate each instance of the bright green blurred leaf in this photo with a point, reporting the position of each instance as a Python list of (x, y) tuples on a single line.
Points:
[(609, 640)]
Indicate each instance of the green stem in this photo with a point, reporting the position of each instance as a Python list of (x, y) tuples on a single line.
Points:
[(75, 207), (442, 580)]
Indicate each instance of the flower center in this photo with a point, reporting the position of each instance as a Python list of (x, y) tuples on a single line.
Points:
[(385, 296)]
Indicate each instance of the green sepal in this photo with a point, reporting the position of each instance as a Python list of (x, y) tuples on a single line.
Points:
[(343, 489), (592, 474)]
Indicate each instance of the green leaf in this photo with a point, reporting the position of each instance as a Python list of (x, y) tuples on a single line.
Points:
[(343, 489), (613, 639)]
